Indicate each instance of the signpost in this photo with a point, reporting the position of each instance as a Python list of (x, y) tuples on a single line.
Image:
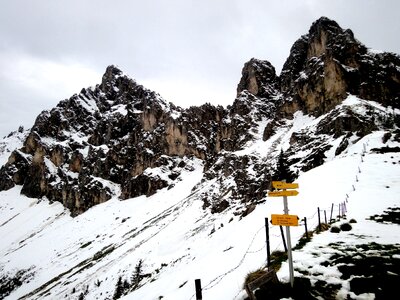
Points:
[(280, 185), (283, 193), (285, 220), (288, 220)]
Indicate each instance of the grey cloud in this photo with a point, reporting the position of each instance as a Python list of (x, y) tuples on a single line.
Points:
[(201, 44)]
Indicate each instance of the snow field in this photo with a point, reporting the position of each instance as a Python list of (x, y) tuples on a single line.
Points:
[(179, 242)]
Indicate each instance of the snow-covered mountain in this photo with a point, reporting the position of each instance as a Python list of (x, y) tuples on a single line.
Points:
[(116, 192)]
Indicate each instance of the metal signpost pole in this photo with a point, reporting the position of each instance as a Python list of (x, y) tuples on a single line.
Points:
[(285, 219), (289, 243)]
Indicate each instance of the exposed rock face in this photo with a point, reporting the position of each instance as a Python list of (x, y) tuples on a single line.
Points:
[(121, 139), (109, 135), (328, 63), (259, 79)]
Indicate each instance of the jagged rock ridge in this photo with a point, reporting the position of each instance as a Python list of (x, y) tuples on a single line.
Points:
[(119, 138), (328, 63), (111, 134)]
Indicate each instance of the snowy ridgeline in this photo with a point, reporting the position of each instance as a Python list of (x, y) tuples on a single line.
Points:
[(56, 256), (194, 182)]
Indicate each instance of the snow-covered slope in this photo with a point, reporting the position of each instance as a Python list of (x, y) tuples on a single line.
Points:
[(8, 144), (56, 256), (131, 196)]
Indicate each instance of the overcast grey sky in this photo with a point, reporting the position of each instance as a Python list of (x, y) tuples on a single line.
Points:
[(189, 51)]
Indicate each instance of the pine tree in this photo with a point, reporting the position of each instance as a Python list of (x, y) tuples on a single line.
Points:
[(137, 275), (283, 171), (118, 289)]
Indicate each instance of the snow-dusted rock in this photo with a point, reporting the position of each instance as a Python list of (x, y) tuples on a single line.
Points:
[(121, 139)]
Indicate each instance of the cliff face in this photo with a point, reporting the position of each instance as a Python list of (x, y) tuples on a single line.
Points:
[(108, 136), (328, 63), (259, 78), (121, 139)]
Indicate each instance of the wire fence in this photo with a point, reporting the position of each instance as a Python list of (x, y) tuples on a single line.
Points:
[(340, 207)]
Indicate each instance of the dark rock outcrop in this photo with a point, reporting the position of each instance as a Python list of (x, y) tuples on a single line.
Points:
[(328, 63), (116, 138), (259, 79), (111, 134)]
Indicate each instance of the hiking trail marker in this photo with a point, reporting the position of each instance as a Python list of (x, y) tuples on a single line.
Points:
[(284, 220), (285, 189), (283, 193), (280, 185)]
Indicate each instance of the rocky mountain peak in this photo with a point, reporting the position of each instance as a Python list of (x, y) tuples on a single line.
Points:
[(326, 36), (121, 139), (324, 23), (112, 80), (258, 78), (117, 86), (111, 73), (328, 63), (118, 139)]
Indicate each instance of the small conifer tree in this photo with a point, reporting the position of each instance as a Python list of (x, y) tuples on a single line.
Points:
[(118, 289), (283, 171), (138, 274)]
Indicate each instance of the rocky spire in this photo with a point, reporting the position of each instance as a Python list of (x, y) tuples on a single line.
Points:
[(258, 78), (328, 63), (110, 74)]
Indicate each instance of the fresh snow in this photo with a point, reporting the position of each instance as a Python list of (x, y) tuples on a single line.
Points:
[(171, 232), (121, 109), (375, 51), (179, 241), (9, 144)]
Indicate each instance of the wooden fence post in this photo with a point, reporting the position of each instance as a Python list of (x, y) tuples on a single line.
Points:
[(267, 241), (305, 225), (319, 220), (197, 284), (269, 279), (283, 238), (330, 220)]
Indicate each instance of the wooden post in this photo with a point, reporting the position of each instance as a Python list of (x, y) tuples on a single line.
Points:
[(339, 211), (267, 241), (330, 220), (197, 283), (283, 238), (250, 293), (268, 279), (305, 225), (326, 221), (319, 220)]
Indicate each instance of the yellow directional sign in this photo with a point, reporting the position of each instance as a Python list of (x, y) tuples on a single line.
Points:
[(283, 193), (285, 220), (284, 185)]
